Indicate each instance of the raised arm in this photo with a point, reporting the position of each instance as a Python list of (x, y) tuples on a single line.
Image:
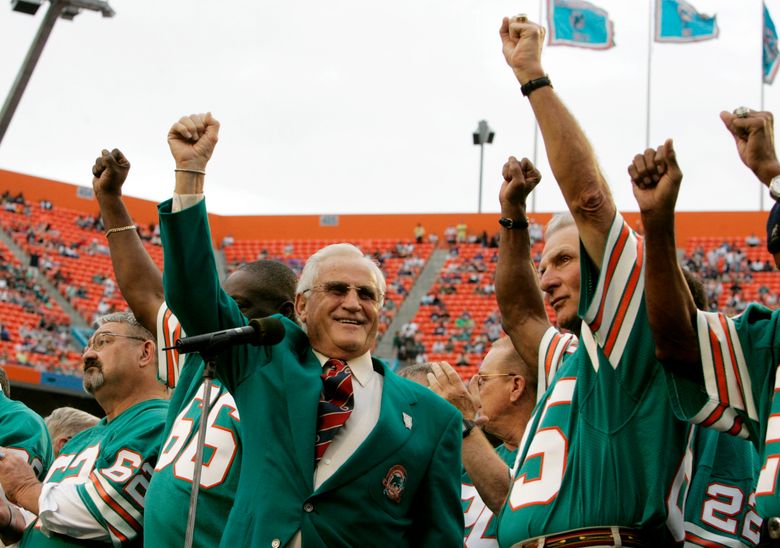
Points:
[(517, 285), (753, 133), (570, 155), (192, 140), (656, 178), (138, 277)]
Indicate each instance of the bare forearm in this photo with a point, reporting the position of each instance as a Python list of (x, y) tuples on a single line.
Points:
[(670, 306), (189, 182), (486, 469), (576, 170), (519, 295), (138, 277)]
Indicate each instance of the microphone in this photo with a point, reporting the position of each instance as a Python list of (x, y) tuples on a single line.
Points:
[(259, 332)]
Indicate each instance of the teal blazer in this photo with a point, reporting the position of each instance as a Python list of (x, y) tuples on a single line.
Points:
[(401, 487)]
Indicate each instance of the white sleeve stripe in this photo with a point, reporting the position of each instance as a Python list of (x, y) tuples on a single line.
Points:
[(587, 340), (620, 288), (118, 498), (615, 352), (117, 511), (168, 361), (709, 536), (541, 374), (612, 238), (726, 377), (552, 348), (721, 418), (113, 520)]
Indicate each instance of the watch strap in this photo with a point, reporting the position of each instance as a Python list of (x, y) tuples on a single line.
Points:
[(536, 83), (514, 224)]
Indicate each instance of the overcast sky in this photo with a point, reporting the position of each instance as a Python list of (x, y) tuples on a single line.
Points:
[(358, 106)]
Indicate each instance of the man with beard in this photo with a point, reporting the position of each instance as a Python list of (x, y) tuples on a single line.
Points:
[(260, 288), (94, 492)]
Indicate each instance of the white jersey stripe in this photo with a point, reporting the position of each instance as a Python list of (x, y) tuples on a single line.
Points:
[(589, 343), (612, 238), (719, 366), (118, 498), (613, 320), (552, 349), (719, 417), (710, 537), (112, 518), (168, 361)]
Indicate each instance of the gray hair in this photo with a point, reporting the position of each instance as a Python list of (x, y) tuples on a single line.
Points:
[(126, 318), (415, 369), (558, 222), (312, 267), (68, 421)]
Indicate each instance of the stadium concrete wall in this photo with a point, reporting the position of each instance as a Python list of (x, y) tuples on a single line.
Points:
[(326, 227)]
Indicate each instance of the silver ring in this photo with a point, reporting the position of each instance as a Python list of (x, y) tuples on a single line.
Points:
[(522, 17), (2, 455), (741, 112)]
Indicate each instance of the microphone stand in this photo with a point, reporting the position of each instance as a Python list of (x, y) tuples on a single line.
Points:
[(209, 356)]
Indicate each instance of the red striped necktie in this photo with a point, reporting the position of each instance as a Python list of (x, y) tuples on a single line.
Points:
[(336, 403)]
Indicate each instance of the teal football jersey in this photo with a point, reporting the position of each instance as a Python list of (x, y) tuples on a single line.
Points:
[(719, 510), (110, 464), (739, 358), (22, 431), (481, 524), (168, 499), (603, 447)]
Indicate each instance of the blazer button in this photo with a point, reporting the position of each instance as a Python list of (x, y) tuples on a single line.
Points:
[(308, 507), (275, 543)]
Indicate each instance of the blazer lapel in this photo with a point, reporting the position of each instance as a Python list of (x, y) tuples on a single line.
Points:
[(392, 430), (302, 385)]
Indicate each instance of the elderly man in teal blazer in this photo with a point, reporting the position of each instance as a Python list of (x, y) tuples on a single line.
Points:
[(389, 476)]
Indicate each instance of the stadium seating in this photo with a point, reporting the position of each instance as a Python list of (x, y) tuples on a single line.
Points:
[(456, 322)]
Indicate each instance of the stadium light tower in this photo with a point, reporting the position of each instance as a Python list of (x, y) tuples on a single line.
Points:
[(483, 134), (67, 9)]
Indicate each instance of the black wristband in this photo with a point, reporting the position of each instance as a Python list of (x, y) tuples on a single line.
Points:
[(773, 230), (514, 224), (535, 84)]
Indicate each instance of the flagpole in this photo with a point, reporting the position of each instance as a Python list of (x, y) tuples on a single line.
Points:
[(761, 187), (649, 73), (536, 128)]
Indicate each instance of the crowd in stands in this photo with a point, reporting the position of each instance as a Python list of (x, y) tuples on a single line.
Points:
[(734, 272)]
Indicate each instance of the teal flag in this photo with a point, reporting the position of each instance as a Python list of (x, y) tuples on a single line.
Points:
[(579, 23), (771, 59), (678, 21)]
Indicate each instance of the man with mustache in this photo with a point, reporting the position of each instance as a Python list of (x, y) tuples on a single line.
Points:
[(94, 492), (260, 288)]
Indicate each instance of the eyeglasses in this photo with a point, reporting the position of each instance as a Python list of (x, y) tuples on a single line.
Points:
[(339, 290), (100, 340), (481, 378)]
